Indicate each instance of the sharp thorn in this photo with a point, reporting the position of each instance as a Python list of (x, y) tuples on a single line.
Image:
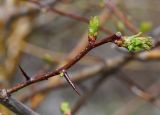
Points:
[(71, 83), (24, 73)]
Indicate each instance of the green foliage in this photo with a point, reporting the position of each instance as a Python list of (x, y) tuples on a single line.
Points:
[(137, 43), (93, 26), (65, 108), (145, 26)]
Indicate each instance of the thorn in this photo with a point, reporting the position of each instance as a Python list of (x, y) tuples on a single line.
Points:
[(71, 83), (24, 73)]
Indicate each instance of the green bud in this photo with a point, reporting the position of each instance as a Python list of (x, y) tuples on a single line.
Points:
[(137, 43), (93, 27), (65, 108), (61, 74)]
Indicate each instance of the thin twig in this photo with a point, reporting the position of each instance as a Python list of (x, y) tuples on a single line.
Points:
[(110, 66), (72, 16), (137, 90), (136, 103), (122, 17), (65, 67), (103, 16)]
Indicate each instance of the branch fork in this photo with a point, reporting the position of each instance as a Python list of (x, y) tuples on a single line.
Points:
[(4, 95)]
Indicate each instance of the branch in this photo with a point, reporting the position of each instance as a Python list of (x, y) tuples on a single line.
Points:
[(110, 66), (121, 16), (45, 76), (69, 15), (135, 88), (103, 16), (135, 103), (14, 105)]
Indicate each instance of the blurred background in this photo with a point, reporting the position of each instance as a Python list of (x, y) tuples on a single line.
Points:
[(42, 35)]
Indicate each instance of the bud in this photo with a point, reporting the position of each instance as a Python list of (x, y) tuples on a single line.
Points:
[(137, 43), (93, 28), (61, 74), (65, 108)]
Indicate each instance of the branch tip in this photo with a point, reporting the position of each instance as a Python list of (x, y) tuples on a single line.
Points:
[(93, 28)]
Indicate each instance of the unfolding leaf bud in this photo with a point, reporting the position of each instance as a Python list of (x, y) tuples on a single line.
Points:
[(135, 43), (93, 28)]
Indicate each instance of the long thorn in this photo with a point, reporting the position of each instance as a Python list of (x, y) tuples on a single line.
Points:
[(71, 83), (24, 73)]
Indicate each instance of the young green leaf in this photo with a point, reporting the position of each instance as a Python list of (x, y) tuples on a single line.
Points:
[(93, 28), (135, 43)]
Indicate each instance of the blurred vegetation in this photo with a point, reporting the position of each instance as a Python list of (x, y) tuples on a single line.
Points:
[(40, 40)]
